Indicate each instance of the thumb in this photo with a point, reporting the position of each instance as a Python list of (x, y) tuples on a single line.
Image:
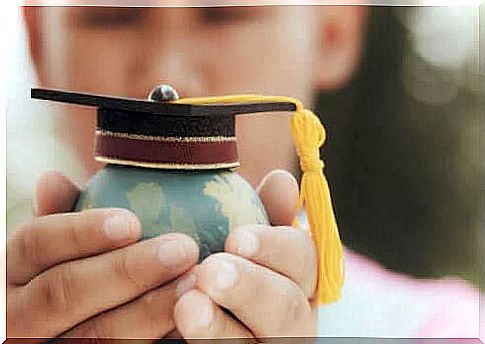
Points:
[(279, 192), (54, 193)]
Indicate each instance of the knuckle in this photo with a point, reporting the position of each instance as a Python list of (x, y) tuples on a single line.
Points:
[(122, 271), (57, 292), (74, 231), (28, 243)]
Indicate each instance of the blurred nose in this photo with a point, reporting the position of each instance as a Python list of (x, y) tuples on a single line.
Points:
[(178, 69), (169, 58)]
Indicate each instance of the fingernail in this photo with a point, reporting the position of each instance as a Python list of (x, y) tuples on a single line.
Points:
[(203, 312), (270, 178), (119, 227), (185, 284), (173, 252), (247, 243), (225, 273)]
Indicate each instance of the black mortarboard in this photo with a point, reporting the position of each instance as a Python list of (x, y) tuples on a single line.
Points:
[(159, 133)]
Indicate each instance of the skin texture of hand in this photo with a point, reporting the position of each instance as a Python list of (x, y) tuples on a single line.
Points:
[(266, 277), (84, 275)]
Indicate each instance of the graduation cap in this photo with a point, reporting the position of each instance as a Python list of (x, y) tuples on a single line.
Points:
[(199, 133), (160, 133)]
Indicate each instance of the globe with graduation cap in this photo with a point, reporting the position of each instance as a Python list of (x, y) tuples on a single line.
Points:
[(172, 164)]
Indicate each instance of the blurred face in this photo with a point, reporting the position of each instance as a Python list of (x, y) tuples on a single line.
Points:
[(272, 50)]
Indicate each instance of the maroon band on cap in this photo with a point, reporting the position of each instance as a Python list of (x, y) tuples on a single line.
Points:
[(166, 152)]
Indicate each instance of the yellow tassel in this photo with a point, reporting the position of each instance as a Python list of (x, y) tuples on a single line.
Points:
[(308, 136)]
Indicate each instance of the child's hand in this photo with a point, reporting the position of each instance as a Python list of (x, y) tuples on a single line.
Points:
[(65, 269), (266, 278)]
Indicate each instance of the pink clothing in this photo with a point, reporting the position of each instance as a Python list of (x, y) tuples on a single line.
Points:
[(377, 302)]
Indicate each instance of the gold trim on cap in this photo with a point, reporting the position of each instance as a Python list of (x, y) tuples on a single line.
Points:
[(169, 166), (108, 133)]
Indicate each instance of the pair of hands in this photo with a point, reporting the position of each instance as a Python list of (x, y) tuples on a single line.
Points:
[(86, 275)]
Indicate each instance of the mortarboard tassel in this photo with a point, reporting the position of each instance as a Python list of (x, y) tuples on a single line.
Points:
[(308, 136)]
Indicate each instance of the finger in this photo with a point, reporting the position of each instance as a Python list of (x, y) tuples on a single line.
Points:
[(285, 250), (54, 193), (198, 317), (70, 293), (279, 192), (149, 316), (268, 303), (53, 239)]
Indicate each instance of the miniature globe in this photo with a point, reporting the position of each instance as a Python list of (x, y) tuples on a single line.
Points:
[(204, 204)]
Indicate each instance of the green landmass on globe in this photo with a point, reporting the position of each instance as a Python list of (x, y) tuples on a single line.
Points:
[(205, 205)]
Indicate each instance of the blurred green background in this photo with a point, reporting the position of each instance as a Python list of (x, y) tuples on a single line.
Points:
[(404, 136)]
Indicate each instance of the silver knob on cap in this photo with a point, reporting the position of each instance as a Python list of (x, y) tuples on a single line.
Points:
[(163, 93)]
